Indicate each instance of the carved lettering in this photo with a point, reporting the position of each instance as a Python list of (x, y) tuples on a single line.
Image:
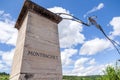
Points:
[(35, 53)]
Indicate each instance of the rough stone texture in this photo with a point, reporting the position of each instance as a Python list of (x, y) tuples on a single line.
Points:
[(31, 6), (37, 54), (17, 60)]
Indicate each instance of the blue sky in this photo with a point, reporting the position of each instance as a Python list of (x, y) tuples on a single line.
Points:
[(84, 50)]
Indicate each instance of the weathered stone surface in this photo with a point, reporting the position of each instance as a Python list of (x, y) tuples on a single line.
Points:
[(31, 6), (18, 55), (37, 55)]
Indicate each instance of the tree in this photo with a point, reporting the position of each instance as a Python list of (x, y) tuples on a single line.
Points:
[(111, 73)]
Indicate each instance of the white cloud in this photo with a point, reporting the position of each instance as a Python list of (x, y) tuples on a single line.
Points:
[(70, 35), (1, 12), (69, 31), (66, 56), (115, 22), (99, 7), (83, 67), (80, 62), (8, 36), (6, 60), (90, 70), (92, 61), (7, 57), (58, 10), (94, 46), (7, 30), (78, 66), (67, 60), (3, 67)]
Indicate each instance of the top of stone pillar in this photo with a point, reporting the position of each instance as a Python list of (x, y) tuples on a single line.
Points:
[(31, 6)]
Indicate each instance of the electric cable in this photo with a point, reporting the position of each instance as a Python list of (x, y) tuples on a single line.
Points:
[(112, 41), (73, 18), (116, 43), (91, 22)]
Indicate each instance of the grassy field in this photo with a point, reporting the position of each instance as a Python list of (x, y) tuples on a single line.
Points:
[(95, 77), (6, 77)]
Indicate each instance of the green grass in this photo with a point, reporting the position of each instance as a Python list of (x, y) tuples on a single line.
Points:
[(6, 77), (95, 77)]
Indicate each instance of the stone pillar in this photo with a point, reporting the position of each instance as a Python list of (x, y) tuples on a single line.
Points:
[(37, 54)]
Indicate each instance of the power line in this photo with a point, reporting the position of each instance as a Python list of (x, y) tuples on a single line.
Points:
[(114, 43), (73, 18), (92, 22)]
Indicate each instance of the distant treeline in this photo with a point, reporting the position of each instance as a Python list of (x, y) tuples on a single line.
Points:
[(92, 77), (3, 73)]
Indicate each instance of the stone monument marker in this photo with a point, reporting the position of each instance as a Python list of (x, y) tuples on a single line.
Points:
[(37, 54)]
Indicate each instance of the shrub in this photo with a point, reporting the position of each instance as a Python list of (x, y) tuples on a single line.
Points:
[(111, 73)]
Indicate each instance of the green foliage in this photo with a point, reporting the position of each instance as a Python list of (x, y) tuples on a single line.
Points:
[(111, 73), (3, 73), (4, 76), (94, 77)]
